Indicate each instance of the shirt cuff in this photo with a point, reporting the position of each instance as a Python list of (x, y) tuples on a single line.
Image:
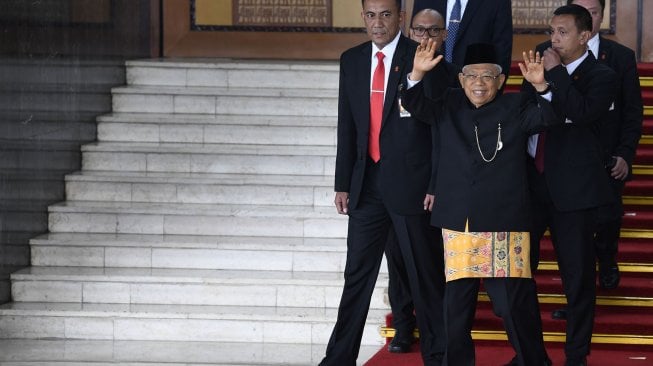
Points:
[(548, 96), (410, 83)]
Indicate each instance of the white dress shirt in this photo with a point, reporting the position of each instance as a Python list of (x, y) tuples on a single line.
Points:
[(450, 4), (388, 52)]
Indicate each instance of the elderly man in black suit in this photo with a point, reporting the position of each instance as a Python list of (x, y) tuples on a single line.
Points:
[(567, 174), (474, 21), (383, 167), (481, 195)]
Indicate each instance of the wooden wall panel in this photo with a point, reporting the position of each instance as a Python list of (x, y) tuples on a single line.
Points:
[(180, 41)]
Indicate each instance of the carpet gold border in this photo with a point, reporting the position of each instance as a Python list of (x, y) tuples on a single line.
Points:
[(642, 169), (637, 233), (600, 300), (497, 335), (623, 267), (560, 337), (637, 200)]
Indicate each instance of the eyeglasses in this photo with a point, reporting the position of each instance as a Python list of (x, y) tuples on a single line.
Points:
[(433, 31), (484, 78)]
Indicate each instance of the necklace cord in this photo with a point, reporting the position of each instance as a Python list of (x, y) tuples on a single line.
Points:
[(498, 146)]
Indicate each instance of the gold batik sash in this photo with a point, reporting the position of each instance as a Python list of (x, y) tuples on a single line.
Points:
[(486, 254)]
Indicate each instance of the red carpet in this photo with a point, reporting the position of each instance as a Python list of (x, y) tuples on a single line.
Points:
[(640, 185), (623, 330), (647, 126), (644, 155), (632, 250), (498, 353)]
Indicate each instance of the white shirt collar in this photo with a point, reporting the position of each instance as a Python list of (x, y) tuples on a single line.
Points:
[(388, 50), (593, 45), (450, 4), (572, 66)]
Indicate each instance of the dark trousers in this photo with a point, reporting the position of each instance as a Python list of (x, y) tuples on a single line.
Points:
[(513, 299), (572, 233), (368, 231), (606, 240), (401, 303)]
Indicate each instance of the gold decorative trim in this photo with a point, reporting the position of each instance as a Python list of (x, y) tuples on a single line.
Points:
[(623, 267), (637, 200), (646, 140), (600, 300), (646, 81), (560, 337), (496, 335), (637, 233), (643, 169)]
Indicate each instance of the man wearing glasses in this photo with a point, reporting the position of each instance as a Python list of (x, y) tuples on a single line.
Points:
[(427, 23), (474, 21)]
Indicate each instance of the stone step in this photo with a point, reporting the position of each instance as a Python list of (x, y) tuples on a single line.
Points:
[(190, 252), (219, 119), (43, 156), (200, 188), (214, 129), (48, 352), (28, 129), (234, 73), (22, 185), (209, 158), (196, 219), (61, 71), (163, 286), (221, 100), (58, 98), (24, 215), (124, 322)]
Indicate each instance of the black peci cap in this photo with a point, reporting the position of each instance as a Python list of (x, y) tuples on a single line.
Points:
[(480, 53)]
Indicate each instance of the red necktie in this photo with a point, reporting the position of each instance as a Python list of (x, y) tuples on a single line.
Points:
[(376, 108), (539, 152)]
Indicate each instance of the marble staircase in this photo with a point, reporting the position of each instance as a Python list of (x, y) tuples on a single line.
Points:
[(201, 223)]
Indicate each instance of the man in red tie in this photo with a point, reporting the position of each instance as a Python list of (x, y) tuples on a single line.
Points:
[(383, 167)]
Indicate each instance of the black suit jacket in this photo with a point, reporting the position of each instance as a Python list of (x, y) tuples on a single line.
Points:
[(486, 21), (574, 170), (405, 165), (621, 127)]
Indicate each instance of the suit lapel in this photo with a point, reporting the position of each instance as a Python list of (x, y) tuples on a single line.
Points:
[(605, 51), (579, 73), (470, 10), (441, 7), (362, 85), (394, 78)]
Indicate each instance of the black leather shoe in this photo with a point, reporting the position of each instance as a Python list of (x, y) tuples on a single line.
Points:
[(400, 345), (609, 276), (559, 314), (576, 362), (514, 362)]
